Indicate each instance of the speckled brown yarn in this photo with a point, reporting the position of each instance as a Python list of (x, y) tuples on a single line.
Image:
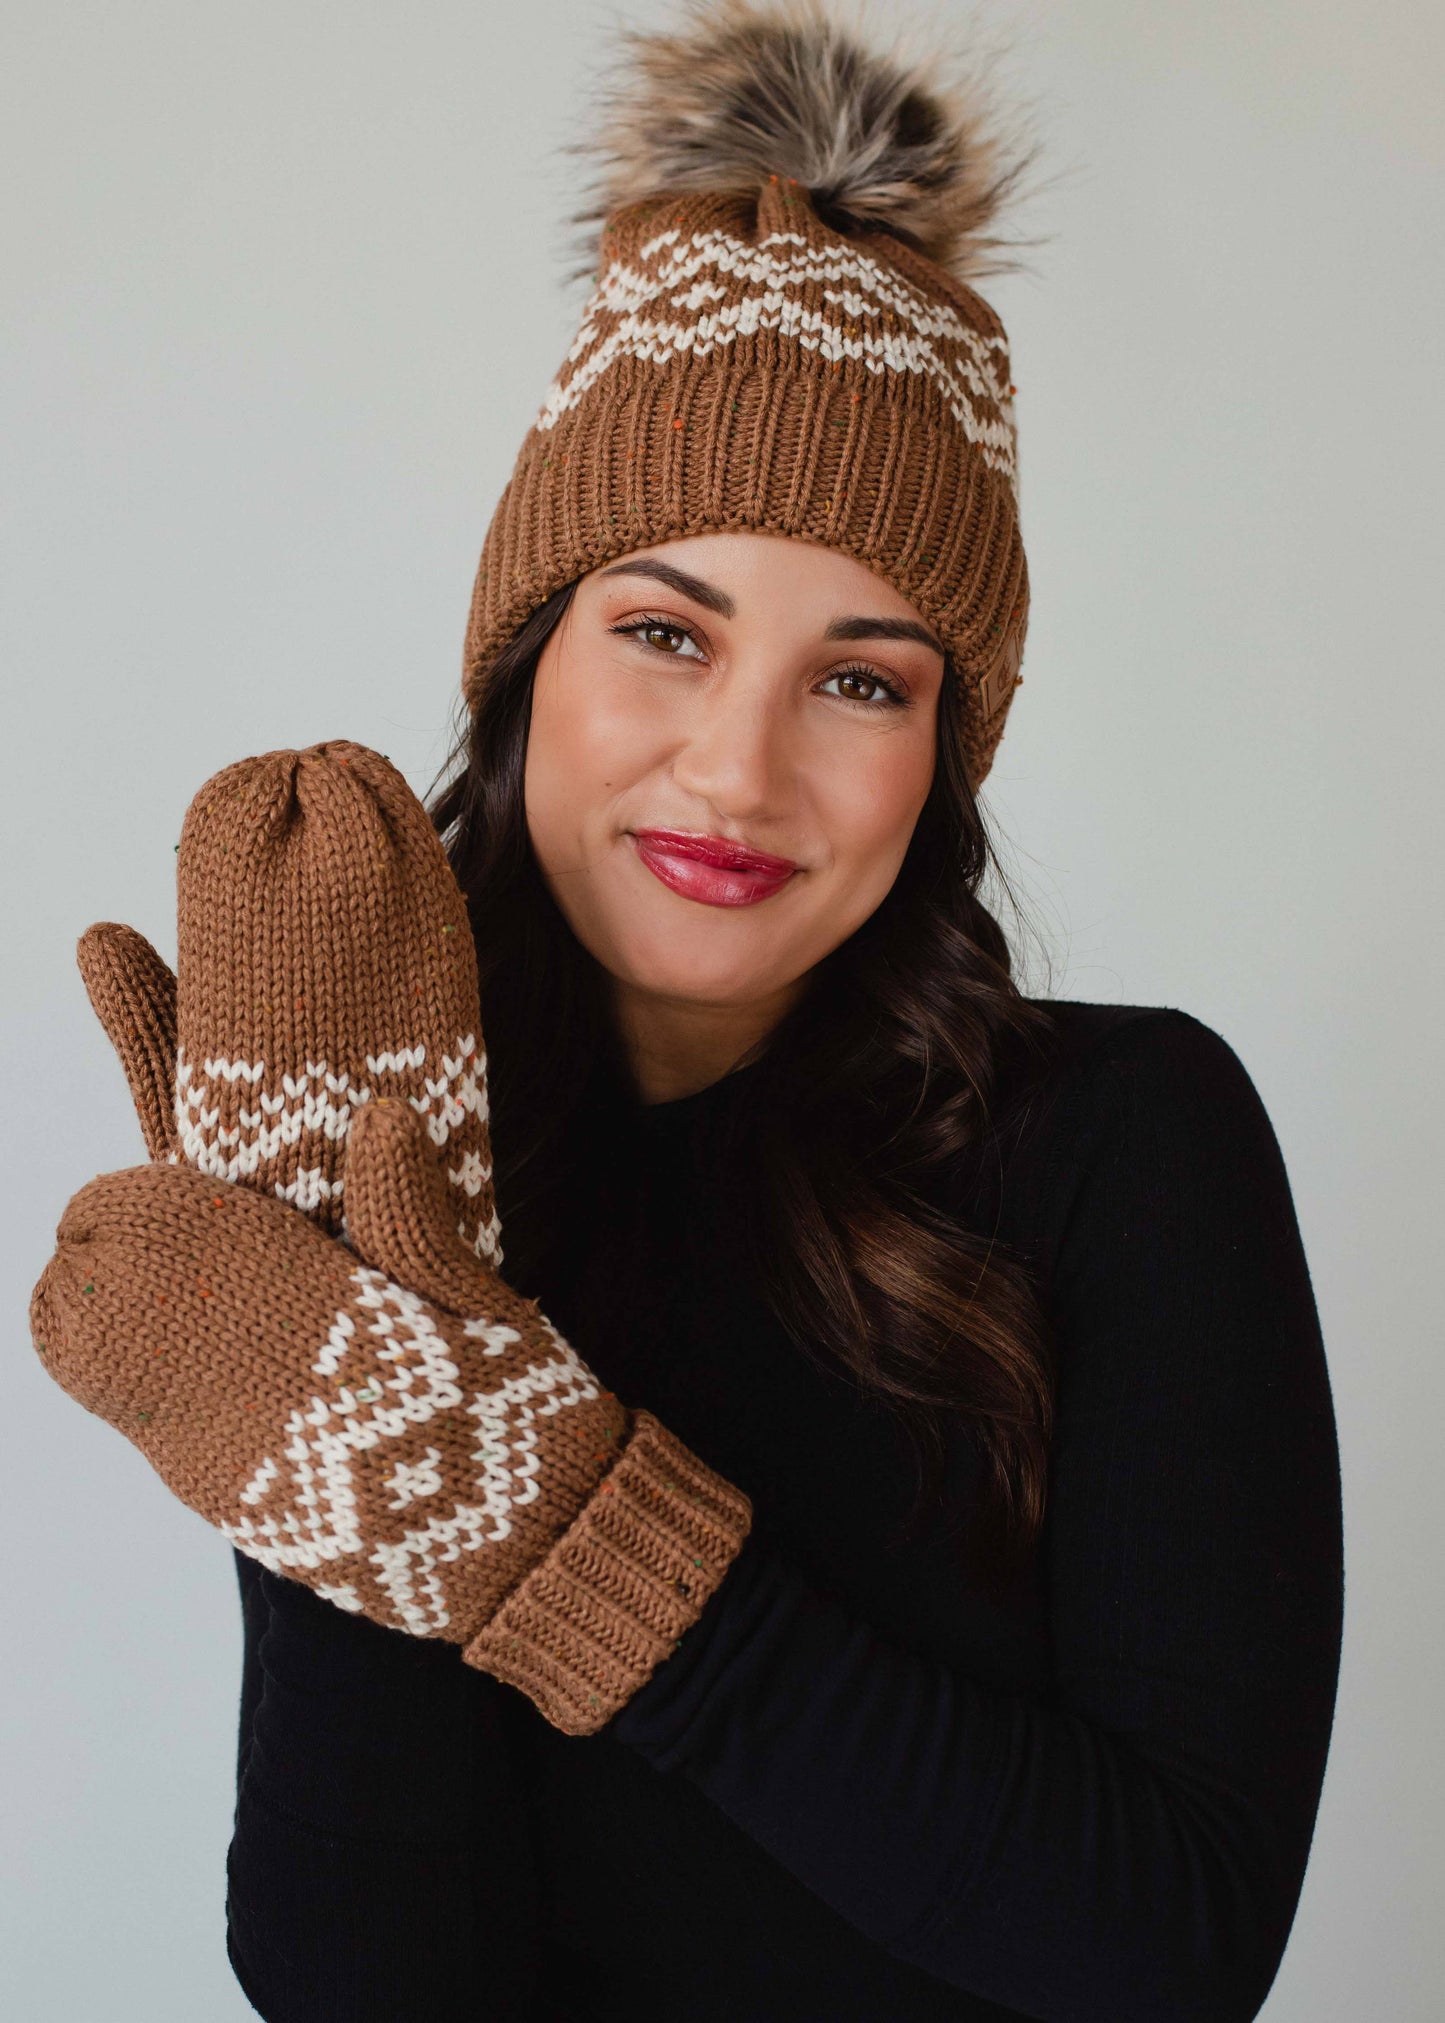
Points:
[(742, 365)]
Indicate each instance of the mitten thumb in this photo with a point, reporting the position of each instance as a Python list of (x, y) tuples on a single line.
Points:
[(134, 997), (401, 1214)]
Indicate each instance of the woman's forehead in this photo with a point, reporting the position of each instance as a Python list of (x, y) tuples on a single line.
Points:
[(746, 565)]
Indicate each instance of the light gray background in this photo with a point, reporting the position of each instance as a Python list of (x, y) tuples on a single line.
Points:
[(282, 292)]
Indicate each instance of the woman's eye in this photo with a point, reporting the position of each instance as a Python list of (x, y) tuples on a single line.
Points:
[(663, 638), (884, 692), (860, 685)]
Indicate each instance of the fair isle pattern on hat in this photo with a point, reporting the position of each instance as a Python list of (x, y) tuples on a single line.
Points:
[(692, 294), (238, 1121)]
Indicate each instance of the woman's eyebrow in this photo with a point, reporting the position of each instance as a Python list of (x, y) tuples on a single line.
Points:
[(883, 628), (706, 594), (713, 599)]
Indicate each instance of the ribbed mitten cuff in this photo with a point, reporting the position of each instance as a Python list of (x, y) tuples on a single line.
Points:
[(634, 1570)]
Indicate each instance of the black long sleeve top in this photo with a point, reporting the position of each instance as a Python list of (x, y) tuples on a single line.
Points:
[(859, 1789)]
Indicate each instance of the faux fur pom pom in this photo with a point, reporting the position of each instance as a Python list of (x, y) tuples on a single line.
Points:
[(749, 91)]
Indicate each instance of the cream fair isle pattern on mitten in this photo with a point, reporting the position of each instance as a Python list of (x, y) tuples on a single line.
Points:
[(389, 1422)]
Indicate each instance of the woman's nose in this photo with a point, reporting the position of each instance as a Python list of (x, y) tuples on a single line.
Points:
[(735, 754)]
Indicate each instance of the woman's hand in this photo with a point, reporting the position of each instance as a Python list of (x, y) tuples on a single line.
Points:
[(381, 1418), (390, 1424)]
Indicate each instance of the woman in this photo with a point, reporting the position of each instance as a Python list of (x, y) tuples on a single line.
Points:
[(951, 1627)]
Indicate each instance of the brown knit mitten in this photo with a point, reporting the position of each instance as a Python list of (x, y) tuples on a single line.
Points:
[(324, 958), (383, 1419)]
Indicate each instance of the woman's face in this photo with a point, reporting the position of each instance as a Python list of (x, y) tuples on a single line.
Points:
[(742, 687)]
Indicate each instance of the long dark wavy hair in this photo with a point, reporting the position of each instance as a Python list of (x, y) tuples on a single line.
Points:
[(868, 1091)]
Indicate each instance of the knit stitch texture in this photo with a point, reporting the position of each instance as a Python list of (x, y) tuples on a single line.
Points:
[(382, 1418)]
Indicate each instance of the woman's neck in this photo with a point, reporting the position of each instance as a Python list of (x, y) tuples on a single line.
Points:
[(674, 1048)]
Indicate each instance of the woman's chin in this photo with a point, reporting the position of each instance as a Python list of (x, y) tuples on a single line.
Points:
[(713, 960), (705, 983)]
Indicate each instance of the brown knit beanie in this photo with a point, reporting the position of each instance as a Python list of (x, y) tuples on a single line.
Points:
[(783, 337)]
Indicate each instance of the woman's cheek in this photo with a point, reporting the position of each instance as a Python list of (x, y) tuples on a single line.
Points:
[(869, 803), (569, 759)]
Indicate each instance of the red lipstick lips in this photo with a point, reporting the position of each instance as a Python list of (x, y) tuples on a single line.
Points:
[(718, 850), (710, 868)]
